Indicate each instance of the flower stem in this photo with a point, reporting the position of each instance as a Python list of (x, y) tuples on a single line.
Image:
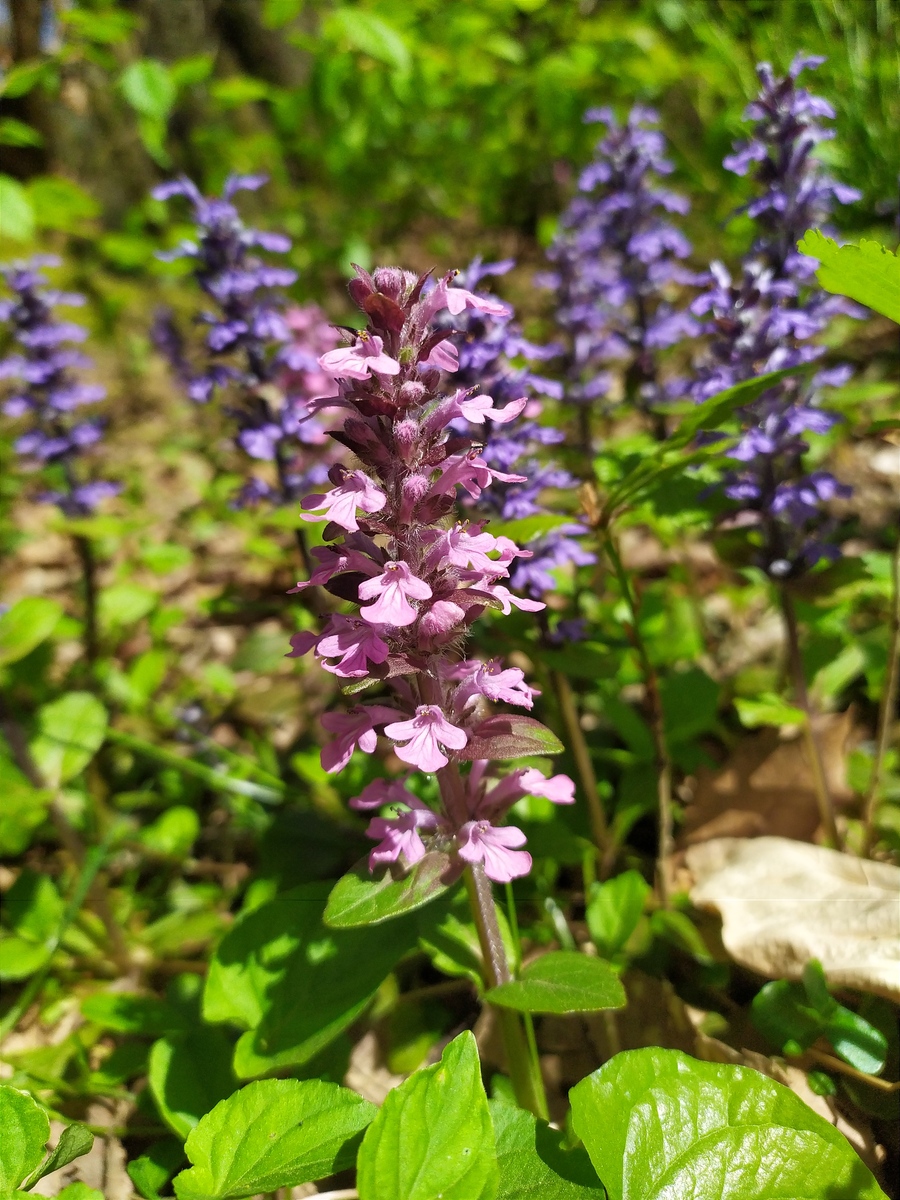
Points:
[(657, 720), (801, 698), (585, 767), (524, 1068), (85, 552), (887, 715)]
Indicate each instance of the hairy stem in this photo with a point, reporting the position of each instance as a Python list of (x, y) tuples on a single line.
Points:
[(585, 767), (888, 711), (657, 721), (524, 1068), (801, 698)]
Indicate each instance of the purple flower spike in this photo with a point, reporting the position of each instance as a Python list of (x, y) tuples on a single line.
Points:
[(616, 258), (46, 394), (763, 319)]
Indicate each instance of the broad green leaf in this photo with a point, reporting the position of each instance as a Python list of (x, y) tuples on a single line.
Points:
[(678, 929), (292, 982), (70, 732), (17, 133), (189, 1073), (614, 909), (16, 213), (659, 1125), (769, 709), (33, 906), (148, 87), (533, 1162), (23, 810), (361, 898), (20, 958), (28, 623), (433, 1136), (562, 981), (172, 833), (25, 1128), (130, 1012), (74, 1141), (276, 1133), (79, 1191), (869, 272), (125, 604), (152, 1171), (372, 35), (60, 204)]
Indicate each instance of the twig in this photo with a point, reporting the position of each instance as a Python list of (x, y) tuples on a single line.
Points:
[(887, 714), (835, 1064), (801, 697), (85, 553)]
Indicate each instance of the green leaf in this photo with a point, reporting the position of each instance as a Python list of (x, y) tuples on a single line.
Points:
[(533, 1161), (869, 272), (563, 981), (23, 76), (658, 1124), (70, 732), (509, 736), (173, 833), (17, 133), (614, 909), (152, 1171), (130, 1012), (125, 604), (33, 906), (25, 1128), (292, 982), (16, 213), (74, 1141), (372, 35), (277, 1133), (79, 1191), (60, 204), (678, 929), (189, 1073), (360, 898), (769, 709), (433, 1135), (28, 623), (148, 87), (20, 958), (23, 810)]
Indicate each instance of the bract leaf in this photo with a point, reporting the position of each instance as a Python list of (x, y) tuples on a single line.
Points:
[(25, 1128), (657, 1124), (869, 272), (361, 898), (534, 1165), (276, 1133), (510, 736), (562, 981), (74, 1141), (433, 1135)]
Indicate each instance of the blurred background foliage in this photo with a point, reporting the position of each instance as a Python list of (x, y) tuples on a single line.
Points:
[(417, 130)]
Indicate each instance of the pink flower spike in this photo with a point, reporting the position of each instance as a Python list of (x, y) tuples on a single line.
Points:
[(479, 841), (353, 728), (380, 792), (390, 592), (354, 643), (559, 789), (301, 643), (400, 836), (359, 361), (479, 409), (425, 734), (340, 504)]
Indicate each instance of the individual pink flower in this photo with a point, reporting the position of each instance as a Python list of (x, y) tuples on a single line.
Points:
[(356, 490), (495, 682), (333, 561), (509, 601), (390, 592), (354, 643), (455, 299), (479, 409), (353, 728), (443, 357), (462, 548), (302, 643), (479, 841), (400, 836), (472, 473), (425, 734), (559, 789), (380, 792), (361, 360)]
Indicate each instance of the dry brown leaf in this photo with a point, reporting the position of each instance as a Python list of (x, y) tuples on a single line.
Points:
[(784, 902), (766, 786)]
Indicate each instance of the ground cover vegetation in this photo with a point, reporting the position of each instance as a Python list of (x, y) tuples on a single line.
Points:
[(449, 600)]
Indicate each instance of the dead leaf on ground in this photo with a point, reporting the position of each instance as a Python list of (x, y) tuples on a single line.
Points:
[(766, 786), (784, 902)]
